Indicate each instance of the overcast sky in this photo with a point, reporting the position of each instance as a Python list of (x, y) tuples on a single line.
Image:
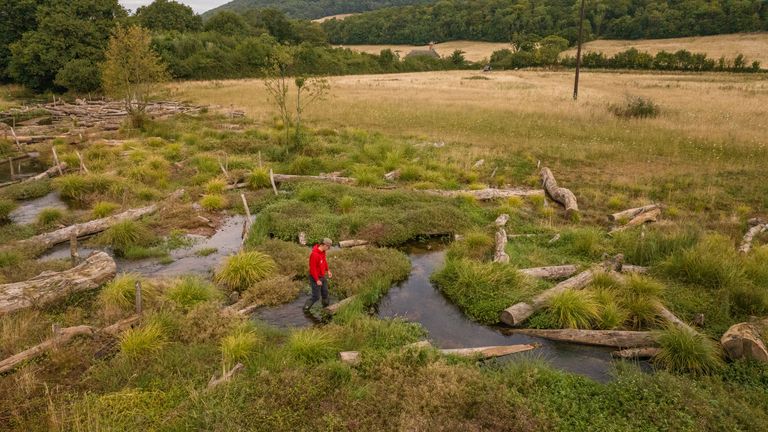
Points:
[(199, 6)]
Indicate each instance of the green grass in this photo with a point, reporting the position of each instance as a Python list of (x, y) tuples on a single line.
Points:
[(244, 269), (6, 207), (127, 234), (482, 290), (103, 209), (655, 244), (26, 190), (118, 296), (573, 309), (291, 258), (356, 270), (685, 351), (192, 290), (312, 346), (142, 342), (477, 245), (239, 346), (215, 186), (214, 202), (258, 179), (49, 217), (712, 263), (78, 188), (272, 291)]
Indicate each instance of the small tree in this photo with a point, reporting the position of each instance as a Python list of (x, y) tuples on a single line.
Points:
[(132, 69)]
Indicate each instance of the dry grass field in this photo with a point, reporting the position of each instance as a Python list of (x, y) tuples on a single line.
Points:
[(753, 45), (473, 50), (339, 17)]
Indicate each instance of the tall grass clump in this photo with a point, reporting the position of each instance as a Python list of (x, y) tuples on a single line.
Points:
[(49, 217), (639, 296), (573, 309), (126, 234), (142, 341), (258, 179), (653, 246), (242, 270), (587, 243), (712, 263), (238, 346), (103, 209), (312, 346), (118, 296), (76, 188), (215, 186), (636, 107), (213, 202), (191, 290), (686, 351), (476, 245), (6, 207), (481, 290), (27, 190), (272, 291)]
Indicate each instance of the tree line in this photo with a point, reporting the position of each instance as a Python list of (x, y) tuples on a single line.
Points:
[(311, 9), (503, 20)]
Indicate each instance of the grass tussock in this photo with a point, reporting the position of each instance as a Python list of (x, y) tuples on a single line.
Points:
[(26, 190), (78, 188), (291, 258), (355, 270), (476, 245), (118, 296), (189, 291), (103, 209), (141, 342), (482, 290), (242, 270), (686, 351), (49, 217), (313, 346), (712, 263), (573, 309), (258, 179), (6, 207), (125, 235), (636, 107), (215, 186), (654, 245), (214, 202), (239, 346), (272, 291)]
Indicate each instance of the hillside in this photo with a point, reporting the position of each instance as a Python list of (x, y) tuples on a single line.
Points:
[(753, 45), (312, 9)]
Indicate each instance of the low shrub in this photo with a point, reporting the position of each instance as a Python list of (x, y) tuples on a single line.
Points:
[(573, 309), (215, 186), (346, 203), (291, 258), (191, 290), (355, 270), (242, 270), (636, 107), (312, 346), (686, 351), (258, 179), (272, 291)]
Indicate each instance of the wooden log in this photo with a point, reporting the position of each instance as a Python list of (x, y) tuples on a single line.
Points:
[(350, 357), (559, 194), (746, 242), (486, 194), (272, 181), (392, 175), (743, 341), (121, 326), (488, 351), (83, 168), (64, 336), (56, 161), (352, 243), (500, 253), (518, 313), (502, 220), (631, 213), (672, 319), (49, 287), (51, 172), (333, 308), (226, 376), (610, 338), (45, 241), (636, 353), (640, 219), (629, 268), (551, 272), (73, 253)]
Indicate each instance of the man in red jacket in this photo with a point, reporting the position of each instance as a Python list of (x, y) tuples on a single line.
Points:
[(318, 273)]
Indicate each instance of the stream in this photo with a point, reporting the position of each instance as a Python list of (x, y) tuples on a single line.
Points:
[(27, 211)]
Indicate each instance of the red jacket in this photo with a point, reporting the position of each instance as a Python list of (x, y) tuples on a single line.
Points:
[(318, 266)]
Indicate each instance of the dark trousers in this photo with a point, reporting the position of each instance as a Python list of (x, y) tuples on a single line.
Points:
[(318, 291)]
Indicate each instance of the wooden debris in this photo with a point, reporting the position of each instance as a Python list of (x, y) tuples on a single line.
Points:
[(746, 242), (743, 341), (226, 376), (631, 213), (560, 194), (640, 219), (488, 351), (392, 175), (62, 337), (550, 272), (486, 194), (636, 353), (303, 238), (610, 338), (500, 254), (49, 287), (629, 268), (478, 164), (350, 357), (246, 222), (352, 243), (333, 308)]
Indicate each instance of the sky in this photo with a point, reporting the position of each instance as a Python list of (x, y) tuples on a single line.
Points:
[(199, 6)]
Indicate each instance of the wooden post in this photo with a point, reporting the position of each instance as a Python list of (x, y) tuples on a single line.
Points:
[(247, 222), (10, 165), (578, 52), (138, 297), (56, 160), (272, 180), (73, 248), (260, 164), (83, 168), (18, 144), (226, 173)]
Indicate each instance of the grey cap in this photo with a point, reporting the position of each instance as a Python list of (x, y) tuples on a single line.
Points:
[(327, 241)]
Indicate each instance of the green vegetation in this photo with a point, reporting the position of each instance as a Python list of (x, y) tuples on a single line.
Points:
[(118, 296), (636, 107), (103, 209), (6, 207), (241, 271), (239, 346), (213, 202), (313, 346), (192, 290), (127, 234), (573, 309), (141, 342), (49, 217), (685, 351), (309, 9), (272, 291)]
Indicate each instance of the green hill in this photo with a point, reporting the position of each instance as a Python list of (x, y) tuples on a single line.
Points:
[(312, 9)]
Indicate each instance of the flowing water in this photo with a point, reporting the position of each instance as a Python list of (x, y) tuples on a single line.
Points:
[(27, 211)]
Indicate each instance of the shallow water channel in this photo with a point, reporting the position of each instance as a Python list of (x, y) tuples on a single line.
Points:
[(27, 211), (25, 167)]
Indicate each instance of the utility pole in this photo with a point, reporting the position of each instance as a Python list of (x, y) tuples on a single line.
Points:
[(578, 52)]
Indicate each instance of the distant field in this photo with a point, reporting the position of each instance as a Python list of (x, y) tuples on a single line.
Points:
[(473, 50), (753, 45), (339, 17)]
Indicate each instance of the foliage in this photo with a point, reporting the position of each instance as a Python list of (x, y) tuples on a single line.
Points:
[(308, 9), (132, 68), (636, 107), (313, 346), (686, 351), (191, 290), (239, 346), (244, 269), (168, 15), (213, 202), (27, 190), (291, 258), (142, 341), (355, 270), (573, 309), (126, 234), (103, 209), (481, 290), (476, 245), (78, 188), (713, 263), (6, 207), (272, 291), (49, 217), (654, 245), (119, 295)]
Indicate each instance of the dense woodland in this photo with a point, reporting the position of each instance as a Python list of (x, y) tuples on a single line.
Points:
[(59, 44), (311, 9), (501, 21)]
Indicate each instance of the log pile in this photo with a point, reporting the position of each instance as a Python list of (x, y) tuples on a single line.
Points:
[(561, 195)]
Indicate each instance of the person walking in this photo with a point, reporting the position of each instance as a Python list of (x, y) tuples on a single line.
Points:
[(319, 273)]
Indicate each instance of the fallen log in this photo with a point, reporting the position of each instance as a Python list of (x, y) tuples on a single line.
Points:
[(636, 353), (333, 308), (609, 338), (743, 341), (629, 268), (45, 241), (746, 242), (671, 318), (392, 175), (226, 376), (352, 243), (642, 218), (519, 312), (631, 213), (550, 272), (49, 173), (560, 194), (49, 287), (62, 337), (353, 357), (486, 194)]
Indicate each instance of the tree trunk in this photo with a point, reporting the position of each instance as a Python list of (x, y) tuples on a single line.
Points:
[(743, 341), (610, 338), (561, 195), (352, 243), (486, 194), (550, 272), (636, 353), (631, 213), (49, 287), (518, 313)]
